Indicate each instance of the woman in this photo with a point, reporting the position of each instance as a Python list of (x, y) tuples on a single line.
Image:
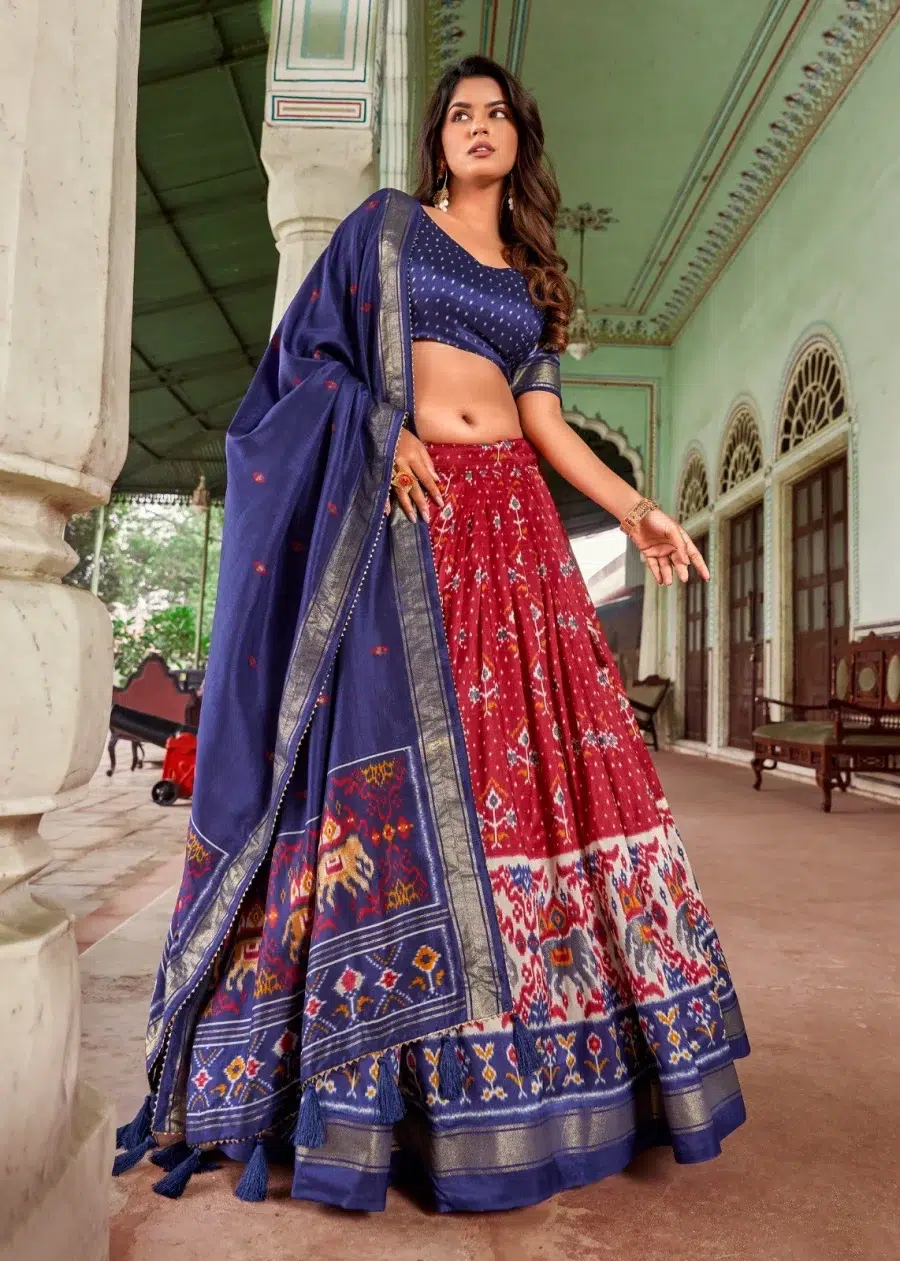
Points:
[(436, 923)]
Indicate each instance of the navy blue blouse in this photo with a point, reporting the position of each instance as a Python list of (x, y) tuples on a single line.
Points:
[(487, 310)]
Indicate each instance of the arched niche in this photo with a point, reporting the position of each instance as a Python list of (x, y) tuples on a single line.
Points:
[(581, 515)]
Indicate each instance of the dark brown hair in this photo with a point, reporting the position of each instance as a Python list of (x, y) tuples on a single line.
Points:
[(529, 230)]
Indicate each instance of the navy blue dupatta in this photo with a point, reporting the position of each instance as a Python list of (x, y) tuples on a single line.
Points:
[(329, 715)]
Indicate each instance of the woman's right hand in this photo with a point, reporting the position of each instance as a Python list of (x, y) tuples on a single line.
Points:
[(411, 456)]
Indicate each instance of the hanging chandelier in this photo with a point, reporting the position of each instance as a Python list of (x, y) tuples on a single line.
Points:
[(584, 218)]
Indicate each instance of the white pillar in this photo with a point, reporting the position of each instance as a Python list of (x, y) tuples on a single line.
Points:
[(319, 138), (68, 89), (317, 175)]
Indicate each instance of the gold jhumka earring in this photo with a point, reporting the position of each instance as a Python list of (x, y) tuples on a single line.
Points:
[(441, 198)]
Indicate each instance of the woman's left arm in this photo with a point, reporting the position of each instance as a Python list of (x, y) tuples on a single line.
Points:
[(663, 543)]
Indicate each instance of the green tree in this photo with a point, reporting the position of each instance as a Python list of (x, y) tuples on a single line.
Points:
[(150, 566)]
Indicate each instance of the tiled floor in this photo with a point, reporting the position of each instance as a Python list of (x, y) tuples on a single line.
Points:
[(807, 908), (114, 852)]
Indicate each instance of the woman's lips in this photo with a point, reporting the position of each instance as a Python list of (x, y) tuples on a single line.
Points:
[(483, 150)]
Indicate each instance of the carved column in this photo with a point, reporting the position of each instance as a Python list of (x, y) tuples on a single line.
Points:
[(318, 142), (68, 88)]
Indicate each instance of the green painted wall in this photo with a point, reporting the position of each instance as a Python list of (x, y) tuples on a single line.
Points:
[(624, 406), (827, 251)]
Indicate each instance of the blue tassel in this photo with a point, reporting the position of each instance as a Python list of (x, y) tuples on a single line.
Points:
[(254, 1184), (450, 1074), (173, 1184), (134, 1133), (527, 1057), (169, 1157), (128, 1160), (310, 1129), (391, 1107)]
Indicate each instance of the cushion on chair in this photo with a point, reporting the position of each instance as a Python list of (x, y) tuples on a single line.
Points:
[(646, 693), (797, 732)]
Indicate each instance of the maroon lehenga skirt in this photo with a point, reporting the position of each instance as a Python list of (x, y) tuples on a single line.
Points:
[(612, 958)]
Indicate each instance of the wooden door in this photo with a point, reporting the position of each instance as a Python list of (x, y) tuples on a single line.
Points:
[(745, 608), (820, 573), (695, 662)]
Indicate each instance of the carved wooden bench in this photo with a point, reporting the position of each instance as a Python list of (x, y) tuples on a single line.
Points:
[(858, 730), (646, 697), (156, 690)]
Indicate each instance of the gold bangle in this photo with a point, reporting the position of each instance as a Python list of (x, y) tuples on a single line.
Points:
[(632, 519)]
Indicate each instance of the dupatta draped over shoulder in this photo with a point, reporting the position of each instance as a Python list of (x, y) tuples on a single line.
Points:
[(328, 707)]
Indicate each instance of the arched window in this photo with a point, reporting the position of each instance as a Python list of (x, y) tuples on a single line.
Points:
[(815, 396), (693, 496), (742, 456)]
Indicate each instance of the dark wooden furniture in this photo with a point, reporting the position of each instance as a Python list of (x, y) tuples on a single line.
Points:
[(647, 696), (155, 690), (695, 653), (819, 579), (858, 728), (745, 625)]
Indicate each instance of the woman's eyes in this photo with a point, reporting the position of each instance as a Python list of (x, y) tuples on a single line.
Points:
[(499, 111)]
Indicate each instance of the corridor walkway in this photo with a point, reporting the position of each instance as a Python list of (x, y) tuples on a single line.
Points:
[(807, 907)]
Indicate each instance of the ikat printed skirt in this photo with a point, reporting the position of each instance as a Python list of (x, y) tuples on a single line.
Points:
[(614, 963)]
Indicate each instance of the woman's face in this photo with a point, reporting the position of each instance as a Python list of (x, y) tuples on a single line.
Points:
[(479, 136)]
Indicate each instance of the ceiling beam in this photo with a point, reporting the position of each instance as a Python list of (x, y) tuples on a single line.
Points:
[(199, 209), (184, 370), (248, 52), (239, 101), (164, 378), (194, 262), (188, 9), (239, 288)]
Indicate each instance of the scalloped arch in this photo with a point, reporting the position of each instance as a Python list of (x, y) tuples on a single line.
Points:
[(597, 425)]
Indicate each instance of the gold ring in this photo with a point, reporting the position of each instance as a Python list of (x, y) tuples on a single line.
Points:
[(402, 480)]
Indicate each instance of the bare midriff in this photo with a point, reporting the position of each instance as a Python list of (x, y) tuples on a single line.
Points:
[(461, 396)]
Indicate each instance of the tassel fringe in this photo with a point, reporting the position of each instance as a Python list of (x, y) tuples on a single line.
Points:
[(391, 1107), (128, 1160), (310, 1129), (527, 1057), (173, 1184), (170, 1157), (450, 1073), (254, 1184), (137, 1130)]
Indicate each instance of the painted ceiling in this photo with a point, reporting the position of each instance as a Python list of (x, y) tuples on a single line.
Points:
[(205, 260), (682, 119)]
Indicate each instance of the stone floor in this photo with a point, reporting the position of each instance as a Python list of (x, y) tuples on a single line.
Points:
[(807, 908)]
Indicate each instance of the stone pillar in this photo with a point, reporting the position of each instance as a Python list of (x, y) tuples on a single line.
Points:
[(68, 90), (316, 177), (319, 135)]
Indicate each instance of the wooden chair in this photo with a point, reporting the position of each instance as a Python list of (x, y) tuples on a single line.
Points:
[(647, 696), (858, 729), (156, 690)]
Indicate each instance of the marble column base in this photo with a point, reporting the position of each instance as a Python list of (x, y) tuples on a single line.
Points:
[(70, 1219)]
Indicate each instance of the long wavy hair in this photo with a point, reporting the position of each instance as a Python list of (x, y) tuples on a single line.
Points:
[(529, 230)]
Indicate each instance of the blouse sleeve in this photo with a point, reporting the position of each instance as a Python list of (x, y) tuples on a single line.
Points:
[(538, 371)]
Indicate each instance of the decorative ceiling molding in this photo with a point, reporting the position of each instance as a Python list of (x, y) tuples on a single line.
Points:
[(846, 46)]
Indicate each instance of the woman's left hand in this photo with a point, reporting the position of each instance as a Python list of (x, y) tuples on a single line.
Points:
[(665, 546)]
